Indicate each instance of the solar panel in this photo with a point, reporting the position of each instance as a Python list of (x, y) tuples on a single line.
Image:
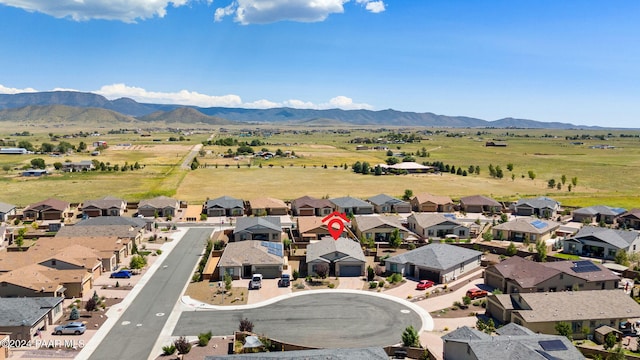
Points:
[(539, 224), (552, 345), (584, 266)]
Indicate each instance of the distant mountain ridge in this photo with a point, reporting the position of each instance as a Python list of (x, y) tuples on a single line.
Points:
[(54, 104)]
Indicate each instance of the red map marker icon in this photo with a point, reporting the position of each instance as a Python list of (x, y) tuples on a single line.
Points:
[(335, 223)]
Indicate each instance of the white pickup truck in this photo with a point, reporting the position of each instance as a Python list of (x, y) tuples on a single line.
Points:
[(256, 282)]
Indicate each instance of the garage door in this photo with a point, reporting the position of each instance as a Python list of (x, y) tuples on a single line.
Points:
[(429, 275), (268, 272), (351, 270)]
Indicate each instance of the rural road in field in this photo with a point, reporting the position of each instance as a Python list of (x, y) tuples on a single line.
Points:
[(186, 164), (135, 334)]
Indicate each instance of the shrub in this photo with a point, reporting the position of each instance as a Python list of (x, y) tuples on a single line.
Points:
[(373, 284), (394, 278), (299, 286), (182, 345), (203, 338), (91, 305), (246, 325), (169, 349), (331, 285), (370, 273), (381, 283), (295, 275), (466, 300), (75, 314), (158, 252)]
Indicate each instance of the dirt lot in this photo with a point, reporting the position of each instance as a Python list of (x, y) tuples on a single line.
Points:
[(449, 313), (208, 292)]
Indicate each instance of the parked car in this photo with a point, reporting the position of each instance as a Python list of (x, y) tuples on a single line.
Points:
[(285, 280), (122, 274), (424, 284), (256, 282), (75, 328), (476, 293)]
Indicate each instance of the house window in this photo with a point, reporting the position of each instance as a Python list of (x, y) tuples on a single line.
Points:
[(561, 276), (394, 268), (274, 236), (576, 326), (367, 235), (612, 252)]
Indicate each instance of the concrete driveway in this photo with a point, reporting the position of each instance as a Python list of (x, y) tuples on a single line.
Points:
[(315, 318)]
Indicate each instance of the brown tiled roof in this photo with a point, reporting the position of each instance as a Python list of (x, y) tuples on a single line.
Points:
[(159, 202), (308, 201), (51, 203), (525, 272), (308, 223), (479, 200), (436, 199), (267, 203), (122, 231), (567, 267), (247, 252)]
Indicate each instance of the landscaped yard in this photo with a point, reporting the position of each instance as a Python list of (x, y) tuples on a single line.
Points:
[(303, 284), (209, 293)]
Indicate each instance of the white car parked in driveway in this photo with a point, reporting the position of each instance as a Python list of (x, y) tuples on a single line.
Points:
[(256, 282)]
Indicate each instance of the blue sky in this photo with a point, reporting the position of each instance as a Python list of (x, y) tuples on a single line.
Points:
[(571, 61)]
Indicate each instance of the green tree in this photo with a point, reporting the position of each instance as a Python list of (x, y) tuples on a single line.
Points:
[(541, 251), (75, 314), (194, 163), (227, 281), (26, 145), (6, 167), (47, 147), (137, 262), (38, 163), (91, 305), (551, 183), (563, 179), (82, 146), (57, 165), (510, 166), (617, 354), (610, 341), (392, 160), (357, 167), (532, 175), (574, 182), (410, 337), (370, 273), (511, 249), (622, 257), (366, 167), (394, 239), (564, 329), (377, 170), (408, 194)]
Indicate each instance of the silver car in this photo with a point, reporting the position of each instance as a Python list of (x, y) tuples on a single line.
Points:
[(75, 328)]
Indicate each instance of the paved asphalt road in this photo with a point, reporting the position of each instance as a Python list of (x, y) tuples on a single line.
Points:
[(319, 320), (140, 325)]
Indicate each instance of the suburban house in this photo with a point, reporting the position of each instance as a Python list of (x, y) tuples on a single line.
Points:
[(161, 206), (35, 172), (245, 258), (541, 311), (124, 231), (543, 207), (525, 229), (264, 228), (518, 275), (350, 205), (50, 209), (267, 207), (38, 280), (224, 206), (480, 204), (597, 214), (437, 262), (437, 226), (137, 224), (510, 342), (312, 228), (432, 203), (630, 219), (343, 256), (603, 243), (107, 206), (379, 228), (106, 246), (6, 210), (309, 206), (84, 165), (24, 317), (384, 203)]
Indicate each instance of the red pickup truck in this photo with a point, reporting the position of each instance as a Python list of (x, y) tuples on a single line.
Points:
[(476, 293)]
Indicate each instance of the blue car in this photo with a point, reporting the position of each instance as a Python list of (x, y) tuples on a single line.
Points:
[(122, 274)]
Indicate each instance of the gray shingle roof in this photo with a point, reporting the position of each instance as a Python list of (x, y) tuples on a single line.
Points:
[(600, 209), (225, 202), (269, 222), (247, 252), (5, 208), (436, 256), (618, 238), (113, 220), (539, 202), (25, 311), (516, 343), (479, 200), (104, 203), (526, 225), (427, 220), (350, 202), (382, 199), (372, 353), (326, 246), (308, 201), (119, 231), (159, 202), (367, 222)]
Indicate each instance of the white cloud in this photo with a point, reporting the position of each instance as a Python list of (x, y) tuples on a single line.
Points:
[(182, 97), (186, 97), (373, 6), (269, 11), (81, 10), (7, 90)]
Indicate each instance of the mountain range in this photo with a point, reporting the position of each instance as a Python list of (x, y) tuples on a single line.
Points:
[(78, 107)]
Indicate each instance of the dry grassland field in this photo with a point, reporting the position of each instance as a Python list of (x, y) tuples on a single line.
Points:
[(604, 176)]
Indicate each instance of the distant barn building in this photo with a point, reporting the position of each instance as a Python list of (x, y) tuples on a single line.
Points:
[(496, 143), (13, 151)]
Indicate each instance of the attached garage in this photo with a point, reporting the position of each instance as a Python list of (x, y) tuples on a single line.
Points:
[(350, 270), (268, 272), (426, 274)]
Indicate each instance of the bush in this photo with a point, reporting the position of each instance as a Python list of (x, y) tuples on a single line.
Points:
[(91, 305), (158, 252), (203, 338), (295, 275), (381, 283), (394, 278), (75, 314), (331, 285), (373, 284), (182, 345), (246, 325), (169, 349)]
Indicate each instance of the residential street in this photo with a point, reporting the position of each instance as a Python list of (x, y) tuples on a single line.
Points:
[(136, 331)]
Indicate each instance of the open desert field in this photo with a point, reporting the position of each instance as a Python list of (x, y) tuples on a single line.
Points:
[(604, 176)]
